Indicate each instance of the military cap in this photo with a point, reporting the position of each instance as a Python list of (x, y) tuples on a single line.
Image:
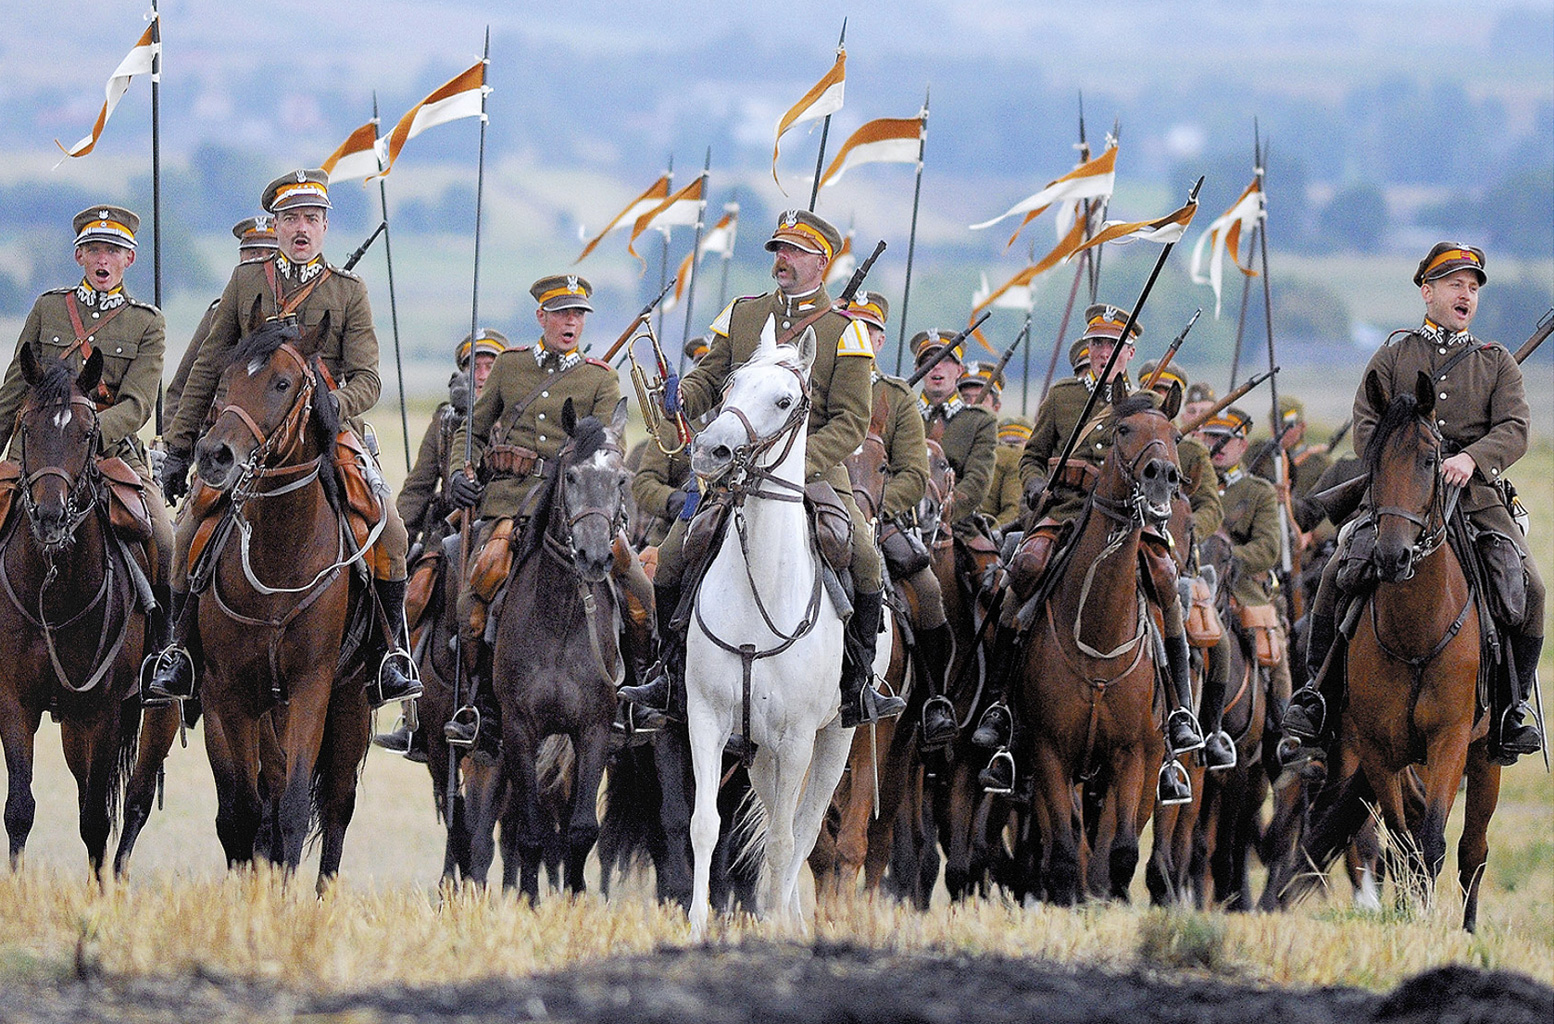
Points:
[(871, 308), (697, 347), (1079, 356), (112, 224), (1104, 321), (1449, 257), (1291, 410), (256, 232), (1232, 422), (1201, 391), (1171, 374), (562, 291), (485, 340), (803, 230), (926, 345), (297, 188), (981, 374), (1015, 430)]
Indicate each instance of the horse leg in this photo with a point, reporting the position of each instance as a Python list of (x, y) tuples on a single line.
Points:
[(1446, 759), (592, 749), (832, 746), (91, 749), (347, 734), (1055, 809), (672, 762), (520, 750), (1128, 801), (233, 749), (1160, 870), (483, 782), (158, 730), (923, 841), (1473, 848), (957, 833), (18, 728), (707, 737)]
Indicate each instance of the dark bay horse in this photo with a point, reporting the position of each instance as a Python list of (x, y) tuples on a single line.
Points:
[(1086, 686), (1413, 667), (273, 621), (71, 630), (558, 659)]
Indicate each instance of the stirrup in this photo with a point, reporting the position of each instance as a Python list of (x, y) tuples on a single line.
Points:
[(397, 740), (1312, 728), (994, 735), (1230, 744), (991, 782), (1177, 773), (463, 729), (638, 719), (931, 742), (166, 658), (1178, 716), (412, 676)]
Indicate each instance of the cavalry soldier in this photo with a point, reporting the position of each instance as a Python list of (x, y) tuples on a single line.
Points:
[(1002, 503), (255, 240), (1201, 489), (1482, 416), (1197, 399), (1304, 464), (295, 280), (900, 426), (1056, 421), (662, 484), (99, 315), (516, 431), (967, 433), (802, 248), (1251, 511)]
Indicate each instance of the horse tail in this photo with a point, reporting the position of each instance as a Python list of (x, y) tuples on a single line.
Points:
[(629, 825), (128, 746), (747, 826)]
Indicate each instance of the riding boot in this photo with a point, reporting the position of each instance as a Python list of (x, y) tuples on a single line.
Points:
[(1173, 786), (1219, 751), (1305, 719), (660, 680), (998, 776), (861, 702), (938, 716), (1182, 732), (1518, 726), (477, 718), (388, 656), (172, 676), (995, 729)]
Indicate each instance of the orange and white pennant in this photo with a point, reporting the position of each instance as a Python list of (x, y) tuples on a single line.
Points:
[(825, 97), (648, 201), (142, 60), (1224, 235), (1093, 179), (361, 155), (683, 209), (463, 95), (885, 140)]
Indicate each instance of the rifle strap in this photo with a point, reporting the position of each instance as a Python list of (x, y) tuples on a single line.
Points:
[(82, 341), (291, 303), (786, 337), (511, 415)]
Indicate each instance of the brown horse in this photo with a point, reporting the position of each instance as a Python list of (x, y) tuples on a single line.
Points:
[(279, 684), (1413, 665), (71, 632), (1086, 681), (558, 658)]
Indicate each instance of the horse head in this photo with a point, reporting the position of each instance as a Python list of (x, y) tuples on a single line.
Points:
[(58, 434), (275, 394), (1403, 459), (765, 403), (1141, 468), (867, 470), (591, 484), (938, 495)]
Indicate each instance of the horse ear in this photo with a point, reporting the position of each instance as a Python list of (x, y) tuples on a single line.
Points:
[(768, 336), (313, 341), (256, 315), (807, 346), (568, 417), (1424, 394), (1171, 404), (618, 420), (1374, 395), (91, 372), (32, 373)]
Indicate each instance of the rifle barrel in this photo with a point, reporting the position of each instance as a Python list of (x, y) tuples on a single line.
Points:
[(944, 352)]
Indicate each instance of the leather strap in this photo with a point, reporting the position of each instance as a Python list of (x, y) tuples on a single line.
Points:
[(289, 305), (510, 416), (786, 337), (82, 332)]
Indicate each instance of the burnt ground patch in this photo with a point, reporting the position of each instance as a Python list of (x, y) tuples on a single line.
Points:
[(773, 982)]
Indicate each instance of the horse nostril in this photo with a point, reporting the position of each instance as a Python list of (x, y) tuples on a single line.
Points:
[(722, 452)]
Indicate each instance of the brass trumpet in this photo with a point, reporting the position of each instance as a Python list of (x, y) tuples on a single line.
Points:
[(650, 394)]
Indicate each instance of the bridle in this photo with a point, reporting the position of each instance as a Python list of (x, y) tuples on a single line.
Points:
[(270, 460), (1132, 512), (83, 489), (745, 477), (1439, 508)]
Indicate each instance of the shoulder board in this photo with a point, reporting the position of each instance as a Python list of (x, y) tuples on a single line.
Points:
[(61, 290), (145, 306), (213, 304), (514, 348), (1398, 335), (349, 275), (898, 383), (854, 340), (262, 258), (986, 413), (597, 362)]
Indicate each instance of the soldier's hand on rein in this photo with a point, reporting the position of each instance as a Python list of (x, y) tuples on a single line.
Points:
[(464, 490), (1033, 494), (1458, 469), (174, 476)]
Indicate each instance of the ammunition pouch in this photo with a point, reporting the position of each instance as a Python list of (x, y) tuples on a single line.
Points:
[(511, 460), (424, 574), (490, 567), (1262, 621), (1356, 570), (832, 524), (1031, 557), (905, 553), (703, 529), (128, 513), (362, 487), (1502, 563), (1075, 474), (1204, 628)]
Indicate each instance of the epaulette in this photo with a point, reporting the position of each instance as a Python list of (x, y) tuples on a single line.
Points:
[(597, 362), (143, 305), (349, 275), (213, 304), (899, 384), (264, 257), (60, 291), (1401, 332)]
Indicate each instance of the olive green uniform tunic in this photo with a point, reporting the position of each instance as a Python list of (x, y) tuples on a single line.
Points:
[(425, 489), (969, 436), (905, 448), (1002, 501), (551, 378), (1055, 421), (1251, 509), (657, 478), (174, 391), (1200, 486)]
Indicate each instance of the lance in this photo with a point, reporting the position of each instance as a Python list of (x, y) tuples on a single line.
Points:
[(1003, 361), (947, 348), (728, 253), (1105, 374), (361, 250), (1340, 434), (625, 336), (388, 254), (917, 193), (469, 432), (1246, 295), (1095, 262), (1025, 366), (1542, 331), (825, 130), (663, 252), (156, 180), (1170, 353), (1289, 559), (1079, 271), (1234, 396), (690, 286)]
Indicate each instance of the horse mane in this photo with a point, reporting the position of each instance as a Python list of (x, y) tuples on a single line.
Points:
[(1401, 411), (1135, 404), (58, 385), (262, 344), (588, 436), (782, 355)]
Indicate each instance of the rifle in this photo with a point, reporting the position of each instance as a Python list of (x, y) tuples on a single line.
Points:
[(361, 250), (1003, 361), (1084, 417), (1220, 406), (1544, 328), (949, 346), (1339, 434), (1165, 360), (631, 328), (856, 281)]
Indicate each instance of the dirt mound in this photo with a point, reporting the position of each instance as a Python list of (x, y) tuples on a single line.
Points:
[(774, 982)]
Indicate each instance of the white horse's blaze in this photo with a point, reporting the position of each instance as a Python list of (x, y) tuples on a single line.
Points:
[(256, 364), (62, 418)]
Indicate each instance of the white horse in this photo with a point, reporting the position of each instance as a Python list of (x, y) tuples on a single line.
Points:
[(763, 592)]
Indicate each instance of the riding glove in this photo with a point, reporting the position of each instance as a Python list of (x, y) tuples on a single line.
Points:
[(1033, 493), (174, 477), (464, 490)]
